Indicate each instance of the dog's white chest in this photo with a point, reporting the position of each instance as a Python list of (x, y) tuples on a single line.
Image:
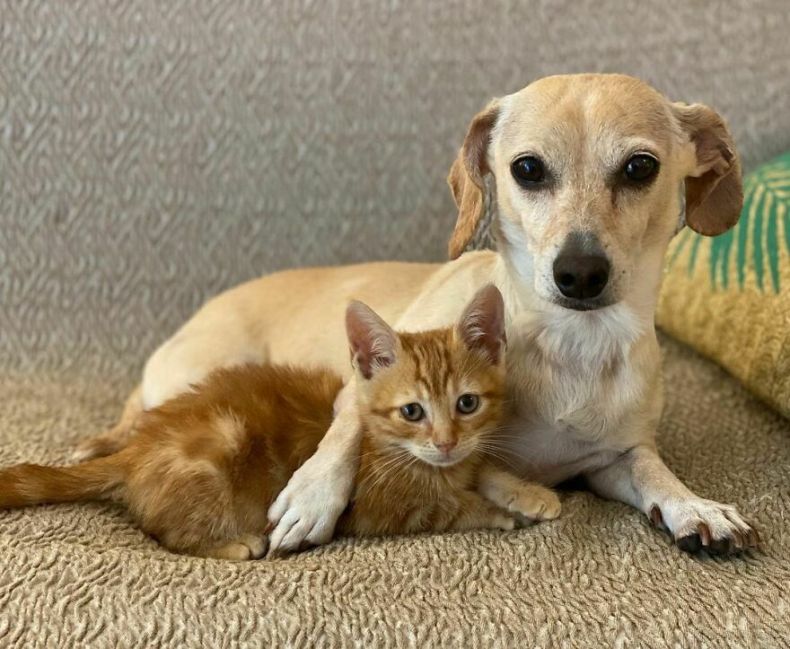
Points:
[(573, 428), (573, 413)]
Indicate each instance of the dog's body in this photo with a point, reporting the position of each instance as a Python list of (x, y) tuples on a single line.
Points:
[(592, 174), (553, 446)]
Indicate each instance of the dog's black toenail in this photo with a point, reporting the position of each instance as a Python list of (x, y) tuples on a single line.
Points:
[(690, 543), (719, 547)]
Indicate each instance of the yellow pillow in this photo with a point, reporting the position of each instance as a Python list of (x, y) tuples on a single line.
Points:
[(729, 296)]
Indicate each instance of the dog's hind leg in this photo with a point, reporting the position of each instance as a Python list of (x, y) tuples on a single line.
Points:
[(117, 437)]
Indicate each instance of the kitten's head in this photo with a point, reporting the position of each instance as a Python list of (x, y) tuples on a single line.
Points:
[(434, 393)]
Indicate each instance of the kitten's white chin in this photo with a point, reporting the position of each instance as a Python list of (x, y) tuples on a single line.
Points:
[(434, 458), (440, 461)]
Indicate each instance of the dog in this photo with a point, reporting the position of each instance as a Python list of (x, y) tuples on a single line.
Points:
[(591, 175)]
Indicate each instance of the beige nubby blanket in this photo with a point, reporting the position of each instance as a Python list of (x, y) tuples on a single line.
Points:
[(82, 575)]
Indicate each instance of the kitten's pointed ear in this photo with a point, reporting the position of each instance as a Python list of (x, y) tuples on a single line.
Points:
[(482, 325), (373, 342)]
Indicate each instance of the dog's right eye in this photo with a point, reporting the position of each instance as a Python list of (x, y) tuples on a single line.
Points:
[(641, 168), (528, 171)]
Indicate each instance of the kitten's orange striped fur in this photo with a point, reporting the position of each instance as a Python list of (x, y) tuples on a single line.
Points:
[(202, 469)]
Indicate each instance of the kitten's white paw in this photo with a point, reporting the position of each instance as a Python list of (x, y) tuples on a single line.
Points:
[(698, 524), (81, 454), (258, 545), (247, 547), (535, 503), (98, 446)]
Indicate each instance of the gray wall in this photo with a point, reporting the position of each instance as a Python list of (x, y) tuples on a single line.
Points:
[(153, 153)]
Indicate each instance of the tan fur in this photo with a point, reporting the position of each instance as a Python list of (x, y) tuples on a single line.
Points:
[(202, 469), (587, 385), (466, 178), (714, 192)]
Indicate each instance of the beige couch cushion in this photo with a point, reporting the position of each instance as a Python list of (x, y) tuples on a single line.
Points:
[(82, 575)]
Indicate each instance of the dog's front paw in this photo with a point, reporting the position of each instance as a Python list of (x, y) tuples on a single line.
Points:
[(305, 512), (698, 524), (535, 502)]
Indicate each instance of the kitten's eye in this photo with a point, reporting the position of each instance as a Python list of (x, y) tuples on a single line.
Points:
[(640, 168), (528, 171), (412, 412), (467, 403)]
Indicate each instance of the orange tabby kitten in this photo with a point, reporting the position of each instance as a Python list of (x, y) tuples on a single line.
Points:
[(203, 468)]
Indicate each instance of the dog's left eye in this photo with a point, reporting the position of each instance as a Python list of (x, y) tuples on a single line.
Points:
[(641, 168), (528, 171)]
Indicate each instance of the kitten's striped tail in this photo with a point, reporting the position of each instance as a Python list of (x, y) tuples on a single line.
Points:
[(34, 484)]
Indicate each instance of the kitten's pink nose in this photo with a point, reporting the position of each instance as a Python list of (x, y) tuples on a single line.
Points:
[(445, 447)]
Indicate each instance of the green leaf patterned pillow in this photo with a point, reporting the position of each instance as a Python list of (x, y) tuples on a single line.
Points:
[(729, 296)]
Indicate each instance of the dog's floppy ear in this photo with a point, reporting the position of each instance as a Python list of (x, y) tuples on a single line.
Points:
[(714, 190), (467, 178)]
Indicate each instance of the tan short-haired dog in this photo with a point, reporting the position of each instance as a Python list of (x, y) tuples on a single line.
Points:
[(593, 175)]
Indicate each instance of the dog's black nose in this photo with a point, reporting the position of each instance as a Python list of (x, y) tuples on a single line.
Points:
[(580, 276)]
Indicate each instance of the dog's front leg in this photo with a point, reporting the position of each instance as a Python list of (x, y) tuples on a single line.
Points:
[(641, 479), (306, 511)]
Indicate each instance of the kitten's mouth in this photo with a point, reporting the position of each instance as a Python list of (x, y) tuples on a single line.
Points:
[(441, 460)]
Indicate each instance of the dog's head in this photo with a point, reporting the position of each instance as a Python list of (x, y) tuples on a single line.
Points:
[(594, 174)]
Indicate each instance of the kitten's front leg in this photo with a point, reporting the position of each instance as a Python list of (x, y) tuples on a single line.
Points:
[(306, 511), (477, 513), (527, 499), (248, 546)]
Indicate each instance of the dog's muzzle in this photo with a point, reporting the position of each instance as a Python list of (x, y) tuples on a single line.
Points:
[(581, 272)]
